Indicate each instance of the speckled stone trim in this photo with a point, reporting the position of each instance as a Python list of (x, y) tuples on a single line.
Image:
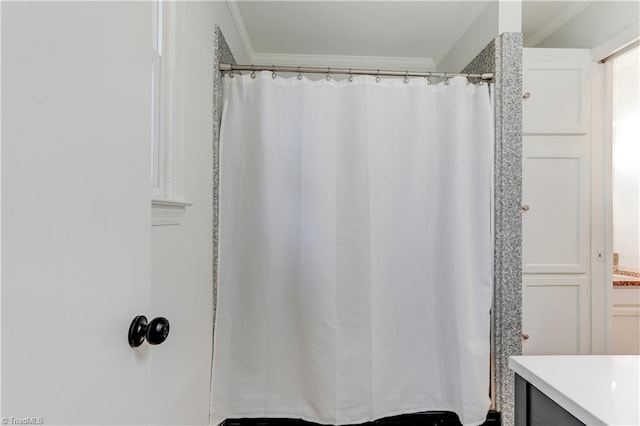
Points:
[(221, 53), (626, 283), (503, 56), (485, 61), (627, 273)]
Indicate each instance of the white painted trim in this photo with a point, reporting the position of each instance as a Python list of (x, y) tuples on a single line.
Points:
[(346, 61), (509, 16), (571, 11), (601, 209), (544, 54), (1, 186), (620, 40), (238, 20), (168, 212), (171, 106), (173, 131), (159, 80), (608, 204)]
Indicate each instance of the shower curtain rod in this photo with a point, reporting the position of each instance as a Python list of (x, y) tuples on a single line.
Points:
[(486, 76)]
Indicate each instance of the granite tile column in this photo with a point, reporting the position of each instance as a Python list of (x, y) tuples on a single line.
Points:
[(503, 56), (221, 54)]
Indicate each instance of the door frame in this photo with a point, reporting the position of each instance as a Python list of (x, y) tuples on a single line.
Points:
[(601, 207)]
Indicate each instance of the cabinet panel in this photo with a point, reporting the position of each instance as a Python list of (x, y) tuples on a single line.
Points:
[(626, 331), (626, 297), (555, 101), (554, 222), (625, 327), (555, 316), (556, 91)]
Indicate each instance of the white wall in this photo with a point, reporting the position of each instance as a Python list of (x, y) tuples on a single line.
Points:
[(182, 255), (626, 171)]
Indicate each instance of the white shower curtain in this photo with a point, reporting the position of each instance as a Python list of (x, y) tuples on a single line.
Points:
[(354, 250)]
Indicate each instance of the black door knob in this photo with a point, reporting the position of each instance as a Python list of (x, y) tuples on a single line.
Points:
[(155, 332), (137, 331)]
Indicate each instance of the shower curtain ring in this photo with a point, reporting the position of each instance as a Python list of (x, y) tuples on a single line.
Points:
[(406, 77), (378, 76), (446, 79), (273, 72), (253, 72), (350, 79), (231, 73), (299, 77), (468, 79), (328, 77), (428, 77)]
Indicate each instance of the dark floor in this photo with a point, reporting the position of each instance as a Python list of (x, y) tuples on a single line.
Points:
[(432, 418)]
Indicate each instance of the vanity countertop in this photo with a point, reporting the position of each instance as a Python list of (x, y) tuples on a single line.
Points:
[(596, 389), (622, 278)]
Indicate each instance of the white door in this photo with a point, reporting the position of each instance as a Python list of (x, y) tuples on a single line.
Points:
[(75, 211), (555, 191)]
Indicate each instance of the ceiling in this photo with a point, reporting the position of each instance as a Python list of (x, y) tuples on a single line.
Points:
[(419, 29), (358, 28), (576, 24)]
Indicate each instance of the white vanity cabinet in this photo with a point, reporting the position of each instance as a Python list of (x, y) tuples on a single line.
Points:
[(576, 390)]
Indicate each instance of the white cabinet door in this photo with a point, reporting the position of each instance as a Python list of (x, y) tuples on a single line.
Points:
[(554, 315), (75, 210), (556, 202), (556, 90), (625, 339), (555, 225)]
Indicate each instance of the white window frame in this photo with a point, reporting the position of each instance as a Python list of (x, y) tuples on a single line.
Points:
[(167, 107)]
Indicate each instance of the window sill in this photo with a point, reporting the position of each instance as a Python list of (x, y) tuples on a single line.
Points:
[(168, 212)]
